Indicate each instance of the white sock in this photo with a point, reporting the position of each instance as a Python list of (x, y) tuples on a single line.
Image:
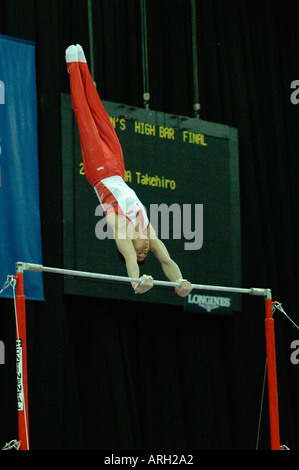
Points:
[(81, 56), (71, 54)]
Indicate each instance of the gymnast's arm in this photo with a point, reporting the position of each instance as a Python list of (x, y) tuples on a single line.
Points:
[(170, 268), (125, 246)]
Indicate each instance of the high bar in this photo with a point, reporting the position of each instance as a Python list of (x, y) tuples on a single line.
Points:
[(21, 266)]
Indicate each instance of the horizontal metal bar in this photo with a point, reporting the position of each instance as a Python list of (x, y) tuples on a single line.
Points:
[(20, 267)]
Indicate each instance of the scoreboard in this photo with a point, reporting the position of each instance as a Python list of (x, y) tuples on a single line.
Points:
[(185, 172)]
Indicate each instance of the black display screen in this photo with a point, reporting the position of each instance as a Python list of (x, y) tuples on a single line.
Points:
[(185, 172)]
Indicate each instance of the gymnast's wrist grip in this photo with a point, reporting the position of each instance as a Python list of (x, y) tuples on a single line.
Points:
[(135, 284), (178, 289)]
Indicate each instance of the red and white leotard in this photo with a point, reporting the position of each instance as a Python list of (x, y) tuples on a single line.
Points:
[(101, 150), (116, 196)]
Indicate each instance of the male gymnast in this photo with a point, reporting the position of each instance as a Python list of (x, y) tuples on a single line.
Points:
[(104, 169)]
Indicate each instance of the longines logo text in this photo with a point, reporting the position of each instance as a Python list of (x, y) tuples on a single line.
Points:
[(208, 302)]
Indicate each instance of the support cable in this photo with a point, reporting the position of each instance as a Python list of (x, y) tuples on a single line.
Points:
[(91, 48), (146, 93), (196, 105), (278, 306), (11, 282)]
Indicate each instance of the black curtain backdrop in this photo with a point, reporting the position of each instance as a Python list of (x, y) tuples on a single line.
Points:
[(119, 376)]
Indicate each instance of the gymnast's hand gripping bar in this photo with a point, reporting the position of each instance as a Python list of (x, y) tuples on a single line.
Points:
[(20, 267)]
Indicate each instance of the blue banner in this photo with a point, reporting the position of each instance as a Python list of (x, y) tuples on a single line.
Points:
[(20, 232)]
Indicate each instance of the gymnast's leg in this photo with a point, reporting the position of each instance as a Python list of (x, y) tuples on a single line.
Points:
[(91, 145), (110, 142)]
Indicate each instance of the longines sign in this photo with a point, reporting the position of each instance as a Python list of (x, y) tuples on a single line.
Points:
[(208, 304)]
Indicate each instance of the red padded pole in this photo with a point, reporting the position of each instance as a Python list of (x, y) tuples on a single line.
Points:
[(272, 375), (21, 363)]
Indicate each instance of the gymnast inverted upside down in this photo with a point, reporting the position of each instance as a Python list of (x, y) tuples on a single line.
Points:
[(104, 169)]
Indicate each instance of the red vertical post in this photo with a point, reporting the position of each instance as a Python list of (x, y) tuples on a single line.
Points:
[(272, 374), (21, 363)]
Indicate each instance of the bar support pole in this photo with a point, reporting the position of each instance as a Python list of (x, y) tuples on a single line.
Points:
[(22, 350), (21, 363), (272, 374)]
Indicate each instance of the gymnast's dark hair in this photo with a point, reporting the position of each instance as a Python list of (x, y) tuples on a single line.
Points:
[(121, 257)]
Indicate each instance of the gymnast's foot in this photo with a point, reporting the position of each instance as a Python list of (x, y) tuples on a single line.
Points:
[(71, 54), (81, 56)]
